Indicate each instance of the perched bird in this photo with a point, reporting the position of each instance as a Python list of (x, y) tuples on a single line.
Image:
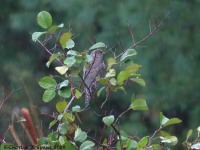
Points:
[(91, 72)]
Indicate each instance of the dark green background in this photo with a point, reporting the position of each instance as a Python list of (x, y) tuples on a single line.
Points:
[(170, 59)]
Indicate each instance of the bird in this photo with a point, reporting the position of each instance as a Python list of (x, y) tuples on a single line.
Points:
[(91, 72)]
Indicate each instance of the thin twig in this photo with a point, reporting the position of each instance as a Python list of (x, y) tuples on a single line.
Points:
[(122, 114), (43, 46), (68, 105), (2, 101), (47, 39), (150, 26), (107, 94), (151, 138), (151, 33), (118, 133), (157, 26), (15, 135), (131, 32), (120, 43)]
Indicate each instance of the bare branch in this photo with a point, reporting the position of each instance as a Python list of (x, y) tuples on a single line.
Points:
[(120, 43), (150, 26), (2, 101), (68, 105), (122, 114), (107, 94), (157, 26), (43, 46), (151, 138), (131, 33)]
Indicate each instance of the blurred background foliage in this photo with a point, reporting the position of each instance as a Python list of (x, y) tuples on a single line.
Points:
[(170, 59)]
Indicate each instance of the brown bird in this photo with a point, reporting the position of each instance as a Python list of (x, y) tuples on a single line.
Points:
[(91, 72)]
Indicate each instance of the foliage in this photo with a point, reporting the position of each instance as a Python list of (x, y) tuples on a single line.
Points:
[(68, 134), (195, 144), (170, 60)]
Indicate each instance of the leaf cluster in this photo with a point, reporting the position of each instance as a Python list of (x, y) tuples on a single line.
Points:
[(68, 85)]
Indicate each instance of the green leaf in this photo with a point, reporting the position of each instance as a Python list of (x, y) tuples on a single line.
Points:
[(62, 69), (52, 58), (87, 145), (156, 146), (53, 29), (169, 139), (164, 121), (113, 81), (64, 38), (120, 88), (60, 106), (79, 59), (48, 83), (76, 108), (143, 142), (62, 128), (131, 144), (72, 52), (69, 61), (52, 123), (65, 92), (105, 142), (62, 140), (44, 19), (65, 83), (80, 136), (138, 104), (70, 44), (36, 35), (42, 141), (108, 120), (173, 121), (111, 73), (53, 137), (128, 53), (7, 146), (118, 146), (128, 62), (99, 92), (69, 117), (189, 133), (97, 45), (88, 58), (48, 95), (60, 116), (124, 136), (122, 76), (78, 94), (133, 68), (164, 133), (61, 25), (140, 81), (69, 146), (110, 63), (103, 81)]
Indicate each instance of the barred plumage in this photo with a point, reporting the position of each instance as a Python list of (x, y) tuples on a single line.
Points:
[(91, 72)]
